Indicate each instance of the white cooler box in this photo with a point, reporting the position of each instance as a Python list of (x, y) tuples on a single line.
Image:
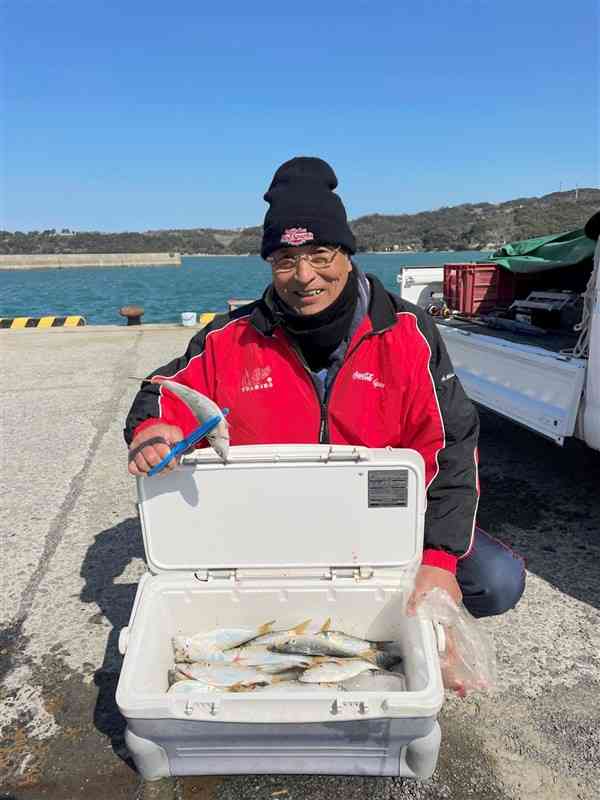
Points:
[(285, 533)]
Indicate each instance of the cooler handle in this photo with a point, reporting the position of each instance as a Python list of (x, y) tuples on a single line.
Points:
[(124, 632)]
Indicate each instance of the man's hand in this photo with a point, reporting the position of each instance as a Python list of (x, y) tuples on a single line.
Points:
[(151, 446), (433, 578)]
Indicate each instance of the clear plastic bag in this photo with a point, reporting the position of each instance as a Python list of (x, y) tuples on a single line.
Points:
[(468, 659)]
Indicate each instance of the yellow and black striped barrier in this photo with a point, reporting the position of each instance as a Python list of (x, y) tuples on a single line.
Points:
[(19, 323)]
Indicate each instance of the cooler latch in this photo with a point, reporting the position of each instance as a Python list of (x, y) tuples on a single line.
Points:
[(214, 574), (358, 573)]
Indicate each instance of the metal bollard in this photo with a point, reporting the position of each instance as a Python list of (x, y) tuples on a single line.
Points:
[(133, 314)]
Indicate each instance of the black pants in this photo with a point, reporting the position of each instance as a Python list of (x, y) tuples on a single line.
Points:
[(491, 577)]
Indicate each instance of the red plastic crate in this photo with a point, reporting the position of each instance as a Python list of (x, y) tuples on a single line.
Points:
[(473, 289)]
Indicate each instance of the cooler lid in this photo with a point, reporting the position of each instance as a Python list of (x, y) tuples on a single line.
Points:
[(275, 506)]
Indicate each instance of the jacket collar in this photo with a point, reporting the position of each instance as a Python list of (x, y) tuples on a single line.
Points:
[(381, 311), (381, 307)]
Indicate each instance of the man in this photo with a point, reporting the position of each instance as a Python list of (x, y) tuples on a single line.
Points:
[(328, 355)]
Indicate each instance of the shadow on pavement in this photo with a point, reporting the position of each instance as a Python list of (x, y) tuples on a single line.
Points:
[(544, 501), (106, 559)]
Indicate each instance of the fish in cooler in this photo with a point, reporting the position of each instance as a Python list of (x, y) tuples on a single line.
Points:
[(186, 686), (336, 644), (268, 639), (335, 671), (256, 659), (213, 646), (261, 657), (225, 675)]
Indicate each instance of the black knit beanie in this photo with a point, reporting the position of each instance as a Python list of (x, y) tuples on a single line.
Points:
[(304, 209)]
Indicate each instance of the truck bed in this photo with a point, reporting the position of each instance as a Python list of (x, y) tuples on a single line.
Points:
[(531, 379), (556, 342), (526, 378)]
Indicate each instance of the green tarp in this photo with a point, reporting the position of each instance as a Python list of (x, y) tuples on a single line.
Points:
[(546, 252)]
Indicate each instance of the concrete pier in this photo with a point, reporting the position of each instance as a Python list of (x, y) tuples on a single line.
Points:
[(72, 554), (62, 261)]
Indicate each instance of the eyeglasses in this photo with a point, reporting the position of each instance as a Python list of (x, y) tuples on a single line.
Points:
[(318, 261)]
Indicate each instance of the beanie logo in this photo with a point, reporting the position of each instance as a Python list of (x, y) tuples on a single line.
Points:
[(296, 236)]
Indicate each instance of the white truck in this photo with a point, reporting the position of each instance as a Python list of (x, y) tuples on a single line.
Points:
[(531, 380)]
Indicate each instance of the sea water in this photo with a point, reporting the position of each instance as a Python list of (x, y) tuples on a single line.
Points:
[(200, 284)]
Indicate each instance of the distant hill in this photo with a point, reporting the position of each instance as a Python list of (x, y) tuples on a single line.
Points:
[(472, 226), (477, 226)]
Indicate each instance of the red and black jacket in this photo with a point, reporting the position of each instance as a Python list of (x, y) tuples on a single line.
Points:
[(395, 388)]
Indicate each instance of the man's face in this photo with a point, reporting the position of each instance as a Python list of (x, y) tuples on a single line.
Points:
[(313, 282)]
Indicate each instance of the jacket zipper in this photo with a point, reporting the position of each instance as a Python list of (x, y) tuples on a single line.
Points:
[(324, 422), (302, 360), (324, 433)]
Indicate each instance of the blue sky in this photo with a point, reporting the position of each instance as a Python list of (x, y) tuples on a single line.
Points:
[(137, 115)]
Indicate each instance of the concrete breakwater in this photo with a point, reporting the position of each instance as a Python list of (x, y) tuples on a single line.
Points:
[(60, 260)]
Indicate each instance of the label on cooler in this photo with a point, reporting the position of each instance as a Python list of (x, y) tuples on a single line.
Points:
[(388, 488)]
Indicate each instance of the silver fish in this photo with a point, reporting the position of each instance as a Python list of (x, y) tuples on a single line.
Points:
[(257, 658), (280, 668), (349, 645), (277, 636), (336, 671), (203, 408), (318, 645), (210, 646), (261, 657), (226, 676), (336, 644), (289, 675), (188, 649), (356, 647), (186, 686)]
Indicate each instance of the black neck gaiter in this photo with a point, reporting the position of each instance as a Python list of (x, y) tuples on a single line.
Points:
[(318, 335)]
